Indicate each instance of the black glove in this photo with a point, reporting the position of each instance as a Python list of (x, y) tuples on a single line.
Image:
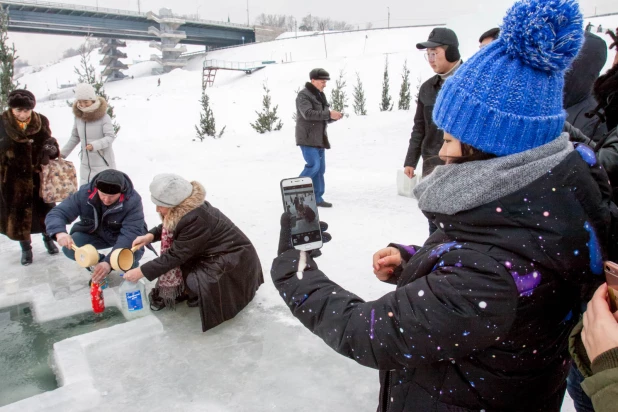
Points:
[(285, 235)]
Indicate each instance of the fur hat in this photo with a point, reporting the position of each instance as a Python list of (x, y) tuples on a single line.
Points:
[(21, 99), (110, 182), (319, 74), (84, 91), (508, 97), (169, 190)]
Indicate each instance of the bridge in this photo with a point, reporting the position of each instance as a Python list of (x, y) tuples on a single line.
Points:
[(30, 16)]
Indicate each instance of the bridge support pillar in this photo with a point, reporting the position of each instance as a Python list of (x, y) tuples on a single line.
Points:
[(111, 54), (170, 37)]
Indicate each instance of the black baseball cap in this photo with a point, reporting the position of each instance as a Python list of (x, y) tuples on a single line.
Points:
[(319, 74), (440, 36)]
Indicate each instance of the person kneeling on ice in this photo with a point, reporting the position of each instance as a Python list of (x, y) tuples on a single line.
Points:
[(203, 253), (111, 216), (481, 315)]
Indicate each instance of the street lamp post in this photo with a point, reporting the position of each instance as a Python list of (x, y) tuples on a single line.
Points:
[(389, 17)]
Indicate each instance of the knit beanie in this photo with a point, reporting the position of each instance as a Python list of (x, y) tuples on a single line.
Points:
[(84, 91), (169, 190), (21, 99), (508, 97)]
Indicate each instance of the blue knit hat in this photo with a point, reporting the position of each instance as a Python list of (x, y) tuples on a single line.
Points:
[(508, 97)]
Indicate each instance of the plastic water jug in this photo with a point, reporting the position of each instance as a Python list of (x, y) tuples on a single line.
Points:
[(133, 298), (405, 185)]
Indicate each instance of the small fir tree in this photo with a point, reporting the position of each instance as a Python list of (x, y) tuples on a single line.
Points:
[(404, 92), (387, 102), (7, 60), (419, 83), (295, 94), (207, 121), (267, 120), (338, 96), (359, 98), (87, 74)]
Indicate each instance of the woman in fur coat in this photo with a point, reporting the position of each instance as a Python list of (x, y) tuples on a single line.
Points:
[(26, 143), (94, 131), (201, 249)]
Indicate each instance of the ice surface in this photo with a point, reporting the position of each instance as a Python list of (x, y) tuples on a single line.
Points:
[(263, 359)]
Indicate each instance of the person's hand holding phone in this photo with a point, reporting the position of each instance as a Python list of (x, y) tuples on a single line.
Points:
[(600, 332), (385, 261)]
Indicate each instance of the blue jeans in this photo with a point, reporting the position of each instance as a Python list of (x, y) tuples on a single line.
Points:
[(315, 158), (81, 239), (581, 401)]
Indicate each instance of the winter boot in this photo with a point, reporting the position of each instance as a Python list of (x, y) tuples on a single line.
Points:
[(26, 252), (49, 244)]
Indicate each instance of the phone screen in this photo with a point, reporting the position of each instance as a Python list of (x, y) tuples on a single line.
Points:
[(299, 201)]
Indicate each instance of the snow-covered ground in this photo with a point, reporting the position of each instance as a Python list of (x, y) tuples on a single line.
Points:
[(263, 359)]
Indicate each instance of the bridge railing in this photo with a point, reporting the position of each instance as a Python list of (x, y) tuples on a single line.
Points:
[(115, 11), (222, 64)]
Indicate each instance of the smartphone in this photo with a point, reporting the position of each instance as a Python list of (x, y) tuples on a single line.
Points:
[(611, 277), (299, 200)]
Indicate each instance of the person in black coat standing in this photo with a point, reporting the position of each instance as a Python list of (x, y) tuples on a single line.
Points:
[(200, 249), (442, 53), (482, 312), (578, 83), (312, 118)]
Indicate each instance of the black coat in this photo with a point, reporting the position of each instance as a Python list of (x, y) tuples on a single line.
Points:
[(312, 118), (22, 211), (426, 139), (206, 243), (482, 313)]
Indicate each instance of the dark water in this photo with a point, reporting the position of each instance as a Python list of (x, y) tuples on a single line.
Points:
[(26, 348)]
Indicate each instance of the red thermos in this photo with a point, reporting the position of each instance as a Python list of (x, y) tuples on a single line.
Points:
[(96, 297)]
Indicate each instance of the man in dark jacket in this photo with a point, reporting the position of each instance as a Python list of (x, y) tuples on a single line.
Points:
[(312, 118), (111, 216), (578, 98), (444, 58)]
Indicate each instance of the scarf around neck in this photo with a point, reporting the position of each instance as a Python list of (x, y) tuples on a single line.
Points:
[(171, 284), (92, 108), (452, 188)]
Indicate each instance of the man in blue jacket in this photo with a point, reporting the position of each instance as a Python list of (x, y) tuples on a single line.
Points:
[(111, 216)]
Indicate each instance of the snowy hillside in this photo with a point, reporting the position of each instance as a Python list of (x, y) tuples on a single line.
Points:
[(263, 359)]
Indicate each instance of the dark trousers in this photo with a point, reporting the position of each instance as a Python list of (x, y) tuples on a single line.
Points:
[(315, 158), (581, 401), (81, 239)]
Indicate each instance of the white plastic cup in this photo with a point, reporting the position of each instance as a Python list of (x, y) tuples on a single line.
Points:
[(11, 286)]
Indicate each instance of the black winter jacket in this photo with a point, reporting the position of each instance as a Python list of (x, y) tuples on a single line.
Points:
[(426, 139), (206, 243), (607, 152), (482, 313), (312, 118), (578, 82)]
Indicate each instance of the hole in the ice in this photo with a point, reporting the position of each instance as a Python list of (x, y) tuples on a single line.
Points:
[(26, 348)]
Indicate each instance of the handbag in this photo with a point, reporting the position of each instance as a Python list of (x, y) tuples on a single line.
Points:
[(58, 180)]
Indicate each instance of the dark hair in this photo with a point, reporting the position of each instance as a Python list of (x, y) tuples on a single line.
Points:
[(471, 154), (493, 33)]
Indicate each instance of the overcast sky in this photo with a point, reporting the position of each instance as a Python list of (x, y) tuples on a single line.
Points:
[(38, 49)]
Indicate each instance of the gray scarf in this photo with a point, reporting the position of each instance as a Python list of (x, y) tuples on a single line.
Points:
[(452, 188)]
